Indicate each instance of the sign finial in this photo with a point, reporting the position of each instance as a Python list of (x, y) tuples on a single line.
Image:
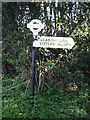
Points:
[(35, 26)]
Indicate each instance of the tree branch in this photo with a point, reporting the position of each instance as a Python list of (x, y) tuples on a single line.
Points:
[(14, 86)]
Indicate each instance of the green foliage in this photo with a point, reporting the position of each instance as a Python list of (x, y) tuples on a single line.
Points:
[(56, 69), (60, 105)]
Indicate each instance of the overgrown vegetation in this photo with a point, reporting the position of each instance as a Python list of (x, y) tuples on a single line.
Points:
[(59, 105), (62, 75)]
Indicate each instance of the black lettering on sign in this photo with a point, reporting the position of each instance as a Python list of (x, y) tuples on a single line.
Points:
[(48, 39), (51, 44), (40, 43), (64, 40), (60, 44), (54, 43)]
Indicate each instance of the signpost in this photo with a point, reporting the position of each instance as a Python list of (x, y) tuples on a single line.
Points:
[(46, 42)]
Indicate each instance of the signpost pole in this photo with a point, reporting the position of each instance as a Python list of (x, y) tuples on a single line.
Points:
[(35, 26), (33, 71)]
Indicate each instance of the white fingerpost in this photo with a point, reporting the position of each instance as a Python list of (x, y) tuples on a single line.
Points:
[(46, 42), (54, 42)]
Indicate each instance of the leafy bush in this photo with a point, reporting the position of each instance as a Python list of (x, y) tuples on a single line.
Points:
[(61, 105)]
